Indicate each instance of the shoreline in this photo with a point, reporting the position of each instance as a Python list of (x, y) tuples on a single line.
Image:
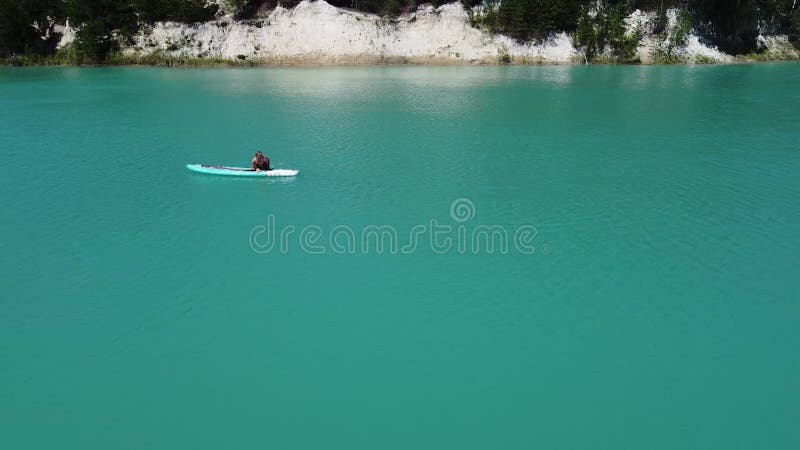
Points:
[(179, 62), (317, 34)]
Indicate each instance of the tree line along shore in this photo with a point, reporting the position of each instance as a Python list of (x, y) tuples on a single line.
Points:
[(33, 31)]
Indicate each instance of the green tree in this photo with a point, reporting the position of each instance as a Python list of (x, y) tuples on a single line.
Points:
[(794, 29), (247, 8), (102, 25), (586, 37), (188, 11), (27, 26), (602, 26), (732, 24), (536, 19)]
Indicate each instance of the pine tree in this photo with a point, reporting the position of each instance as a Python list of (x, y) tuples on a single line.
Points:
[(103, 24)]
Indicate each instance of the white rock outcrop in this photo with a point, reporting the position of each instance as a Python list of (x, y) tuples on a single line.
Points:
[(315, 32), (692, 51)]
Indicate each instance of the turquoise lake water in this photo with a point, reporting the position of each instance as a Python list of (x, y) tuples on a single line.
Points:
[(142, 307)]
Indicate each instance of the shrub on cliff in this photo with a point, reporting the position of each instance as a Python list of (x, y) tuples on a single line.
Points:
[(245, 9), (485, 17), (601, 28), (175, 10), (289, 3), (732, 27), (794, 33), (104, 24), (388, 8), (535, 19), (734, 24), (670, 39), (26, 26)]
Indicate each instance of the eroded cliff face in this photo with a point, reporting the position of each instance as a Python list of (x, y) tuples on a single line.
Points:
[(318, 33)]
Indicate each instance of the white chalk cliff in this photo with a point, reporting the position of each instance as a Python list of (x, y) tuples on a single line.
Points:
[(318, 33)]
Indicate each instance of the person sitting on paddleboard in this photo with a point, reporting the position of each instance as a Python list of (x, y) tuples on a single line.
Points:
[(260, 161)]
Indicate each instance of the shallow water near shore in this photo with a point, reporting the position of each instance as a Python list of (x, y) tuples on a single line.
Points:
[(143, 308)]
